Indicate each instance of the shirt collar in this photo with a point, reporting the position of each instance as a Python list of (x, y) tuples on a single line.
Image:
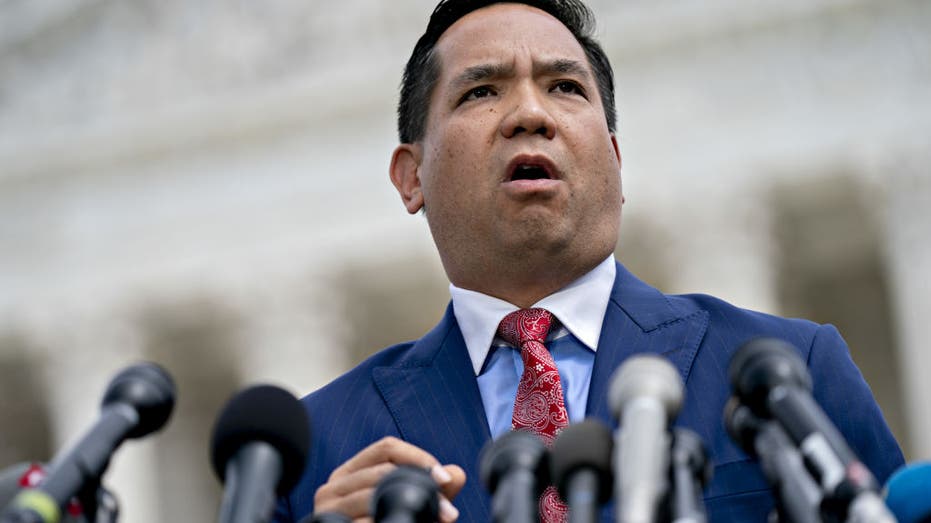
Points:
[(580, 307)]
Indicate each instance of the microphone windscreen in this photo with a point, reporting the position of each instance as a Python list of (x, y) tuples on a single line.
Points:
[(646, 375), (326, 517), (406, 490), (149, 390), (269, 414), (585, 445), (761, 364), (514, 450), (907, 493)]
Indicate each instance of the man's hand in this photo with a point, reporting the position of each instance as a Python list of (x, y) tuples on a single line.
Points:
[(350, 487)]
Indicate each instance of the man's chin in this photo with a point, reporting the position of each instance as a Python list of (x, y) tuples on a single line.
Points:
[(545, 237)]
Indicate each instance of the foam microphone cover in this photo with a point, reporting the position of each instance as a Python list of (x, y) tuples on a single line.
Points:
[(585, 445), (515, 450), (646, 375), (327, 517), (149, 390), (269, 414), (907, 493), (406, 494), (762, 364)]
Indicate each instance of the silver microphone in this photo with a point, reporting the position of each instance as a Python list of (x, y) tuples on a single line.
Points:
[(645, 396)]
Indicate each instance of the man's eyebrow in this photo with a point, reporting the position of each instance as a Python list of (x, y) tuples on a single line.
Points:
[(482, 72), (479, 73), (562, 66)]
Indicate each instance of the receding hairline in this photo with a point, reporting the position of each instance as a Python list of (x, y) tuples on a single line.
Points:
[(496, 69), (423, 68)]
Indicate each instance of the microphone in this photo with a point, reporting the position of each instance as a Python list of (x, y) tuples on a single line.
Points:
[(646, 394), (514, 468), (906, 493), (580, 465), (15, 478), (327, 517), (769, 377), (12, 480), (799, 497), (691, 471), (137, 402), (406, 495), (258, 449)]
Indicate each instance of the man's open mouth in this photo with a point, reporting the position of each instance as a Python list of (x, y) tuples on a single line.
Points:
[(531, 169)]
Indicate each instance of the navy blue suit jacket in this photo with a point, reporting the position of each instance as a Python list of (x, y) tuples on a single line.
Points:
[(425, 392)]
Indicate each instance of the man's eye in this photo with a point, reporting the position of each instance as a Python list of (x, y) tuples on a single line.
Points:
[(477, 92), (568, 87)]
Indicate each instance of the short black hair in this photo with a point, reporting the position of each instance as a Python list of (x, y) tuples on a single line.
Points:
[(422, 70)]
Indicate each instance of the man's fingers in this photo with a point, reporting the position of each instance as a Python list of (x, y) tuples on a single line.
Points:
[(450, 479), (360, 479), (390, 450), (457, 479), (448, 513)]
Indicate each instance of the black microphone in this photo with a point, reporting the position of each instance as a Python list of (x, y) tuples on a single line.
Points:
[(769, 377), (258, 449), (12, 480), (406, 495), (15, 478), (515, 469), (327, 517), (798, 496), (137, 402), (646, 394), (580, 464), (690, 471)]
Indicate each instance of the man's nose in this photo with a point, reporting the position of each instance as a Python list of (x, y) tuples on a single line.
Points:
[(528, 115)]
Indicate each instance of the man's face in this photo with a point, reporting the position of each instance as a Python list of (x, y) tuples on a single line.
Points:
[(517, 162)]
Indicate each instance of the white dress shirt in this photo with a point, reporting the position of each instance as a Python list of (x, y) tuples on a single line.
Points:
[(579, 308)]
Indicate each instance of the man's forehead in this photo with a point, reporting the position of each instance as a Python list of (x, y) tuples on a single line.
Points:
[(499, 33)]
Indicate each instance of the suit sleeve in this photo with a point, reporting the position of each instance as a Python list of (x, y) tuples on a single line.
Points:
[(842, 392)]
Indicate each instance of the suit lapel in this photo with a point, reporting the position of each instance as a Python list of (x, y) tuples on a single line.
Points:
[(640, 319), (433, 396)]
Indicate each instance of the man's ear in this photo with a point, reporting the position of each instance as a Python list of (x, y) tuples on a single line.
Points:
[(617, 152), (405, 175)]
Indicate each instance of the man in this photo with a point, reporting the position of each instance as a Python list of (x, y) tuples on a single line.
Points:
[(507, 128)]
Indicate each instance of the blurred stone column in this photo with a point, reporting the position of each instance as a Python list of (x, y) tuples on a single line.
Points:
[(724, 248), (292, 338), (908, 233)]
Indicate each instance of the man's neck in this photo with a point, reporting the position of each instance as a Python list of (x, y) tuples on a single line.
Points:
[(524, 288)]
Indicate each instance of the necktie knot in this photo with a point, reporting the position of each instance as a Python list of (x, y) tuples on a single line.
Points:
[(524, 325)]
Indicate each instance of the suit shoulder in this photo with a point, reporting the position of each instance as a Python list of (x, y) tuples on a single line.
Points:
[(738, 324)]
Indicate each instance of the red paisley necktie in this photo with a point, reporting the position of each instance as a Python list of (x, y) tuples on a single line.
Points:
[(539, 406)]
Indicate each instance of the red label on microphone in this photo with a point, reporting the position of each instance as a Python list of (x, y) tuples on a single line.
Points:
[(34, 475)]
